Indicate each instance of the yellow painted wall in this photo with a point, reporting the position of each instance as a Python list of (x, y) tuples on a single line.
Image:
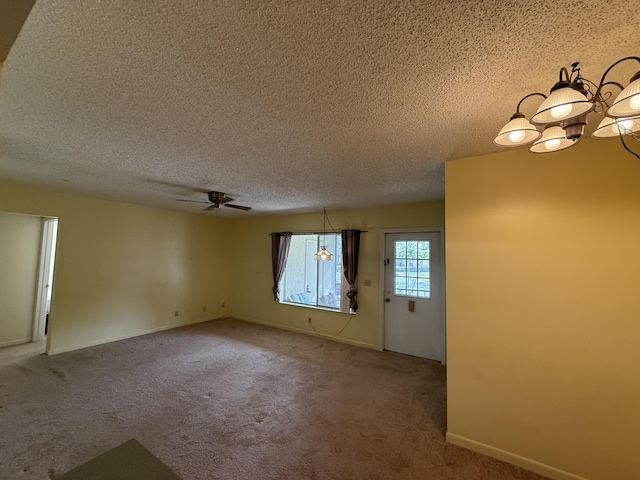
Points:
[(543, 309), (19, 252), (123, 270), (252, 275)]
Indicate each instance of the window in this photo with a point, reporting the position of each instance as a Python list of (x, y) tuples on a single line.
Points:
[(412, 269), (307, 281)]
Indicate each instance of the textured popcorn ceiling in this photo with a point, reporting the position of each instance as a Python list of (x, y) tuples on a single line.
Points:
[(284, 105)]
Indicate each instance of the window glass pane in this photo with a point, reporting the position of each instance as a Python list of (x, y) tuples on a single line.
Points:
[(326, 290), (423, 268), (423, 250), (307, 281), (412, 268)]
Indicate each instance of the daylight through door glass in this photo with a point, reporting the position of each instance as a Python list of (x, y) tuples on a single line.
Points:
[(412, 267)]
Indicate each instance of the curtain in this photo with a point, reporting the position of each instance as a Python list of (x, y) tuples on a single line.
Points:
[(350, 251), (280, 243)]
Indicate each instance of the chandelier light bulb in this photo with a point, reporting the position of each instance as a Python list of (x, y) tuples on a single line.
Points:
[(634, 103), (516, 136), (621, 126), (552, 144), (561, 111)]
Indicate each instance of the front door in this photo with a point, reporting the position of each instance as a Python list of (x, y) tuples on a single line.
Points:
[(412, 323)]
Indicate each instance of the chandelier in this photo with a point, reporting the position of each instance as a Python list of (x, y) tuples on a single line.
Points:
[(562, 115)]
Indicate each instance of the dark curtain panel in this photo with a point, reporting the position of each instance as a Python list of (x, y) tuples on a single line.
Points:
[(280, 242), (350, 251)]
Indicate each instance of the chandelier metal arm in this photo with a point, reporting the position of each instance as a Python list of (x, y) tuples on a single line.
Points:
[(527, 96), (627, 148), (604, 75), (566, 74)]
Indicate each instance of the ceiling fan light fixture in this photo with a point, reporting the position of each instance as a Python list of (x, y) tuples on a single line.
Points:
[(517, 132), (562, 104), (627, 103), (553, 139)]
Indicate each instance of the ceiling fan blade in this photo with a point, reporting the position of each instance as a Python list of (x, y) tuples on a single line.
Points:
[(191, 201), (239, 207)]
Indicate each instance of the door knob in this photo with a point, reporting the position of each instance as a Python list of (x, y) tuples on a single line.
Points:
[(387, 300)]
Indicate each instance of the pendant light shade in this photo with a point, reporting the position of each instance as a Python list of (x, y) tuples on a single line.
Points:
[(323, 254), (552, 140), (563, 103), (627, 103), (612, 127), (517, 132)]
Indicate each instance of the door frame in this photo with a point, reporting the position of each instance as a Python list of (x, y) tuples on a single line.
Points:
[(45, 266), (443, 320)]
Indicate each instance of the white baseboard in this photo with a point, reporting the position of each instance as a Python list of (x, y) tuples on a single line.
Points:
[(307, 332), (527, 463), (131, 335), (10, 343)]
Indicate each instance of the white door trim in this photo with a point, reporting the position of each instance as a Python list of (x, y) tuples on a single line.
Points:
[(44, 270), (443, 322)]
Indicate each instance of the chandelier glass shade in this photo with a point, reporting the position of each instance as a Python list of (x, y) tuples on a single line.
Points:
[(564, 113), (552, 139), (627, 103), (613, 127), (561, 105), (517, 132)]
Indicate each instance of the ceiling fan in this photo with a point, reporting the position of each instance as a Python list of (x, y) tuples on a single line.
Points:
[(217, 199)]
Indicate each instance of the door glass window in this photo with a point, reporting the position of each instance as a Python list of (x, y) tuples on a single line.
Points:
[(412, 265)]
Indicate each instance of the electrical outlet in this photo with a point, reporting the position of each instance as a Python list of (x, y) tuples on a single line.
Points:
[(175, 314), (367, 283), (224, 304), (204, 309)]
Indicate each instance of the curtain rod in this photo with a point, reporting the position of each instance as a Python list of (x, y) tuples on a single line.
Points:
[(321, 233)]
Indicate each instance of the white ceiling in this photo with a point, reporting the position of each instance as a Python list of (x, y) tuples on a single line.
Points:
[(287, 106)]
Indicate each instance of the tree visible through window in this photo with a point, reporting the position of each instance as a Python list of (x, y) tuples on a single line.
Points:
[(310, 282)]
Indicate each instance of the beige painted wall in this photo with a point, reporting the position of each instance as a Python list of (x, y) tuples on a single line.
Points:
[(122, 270), (252, 276), (19, 251), (543, 309)]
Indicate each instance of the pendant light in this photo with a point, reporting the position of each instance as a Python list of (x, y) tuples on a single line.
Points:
[(323, 253)]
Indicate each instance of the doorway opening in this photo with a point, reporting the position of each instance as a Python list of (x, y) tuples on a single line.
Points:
[(44, 286)]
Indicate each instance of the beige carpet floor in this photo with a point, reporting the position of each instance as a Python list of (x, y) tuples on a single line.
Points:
[(232, 400)]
